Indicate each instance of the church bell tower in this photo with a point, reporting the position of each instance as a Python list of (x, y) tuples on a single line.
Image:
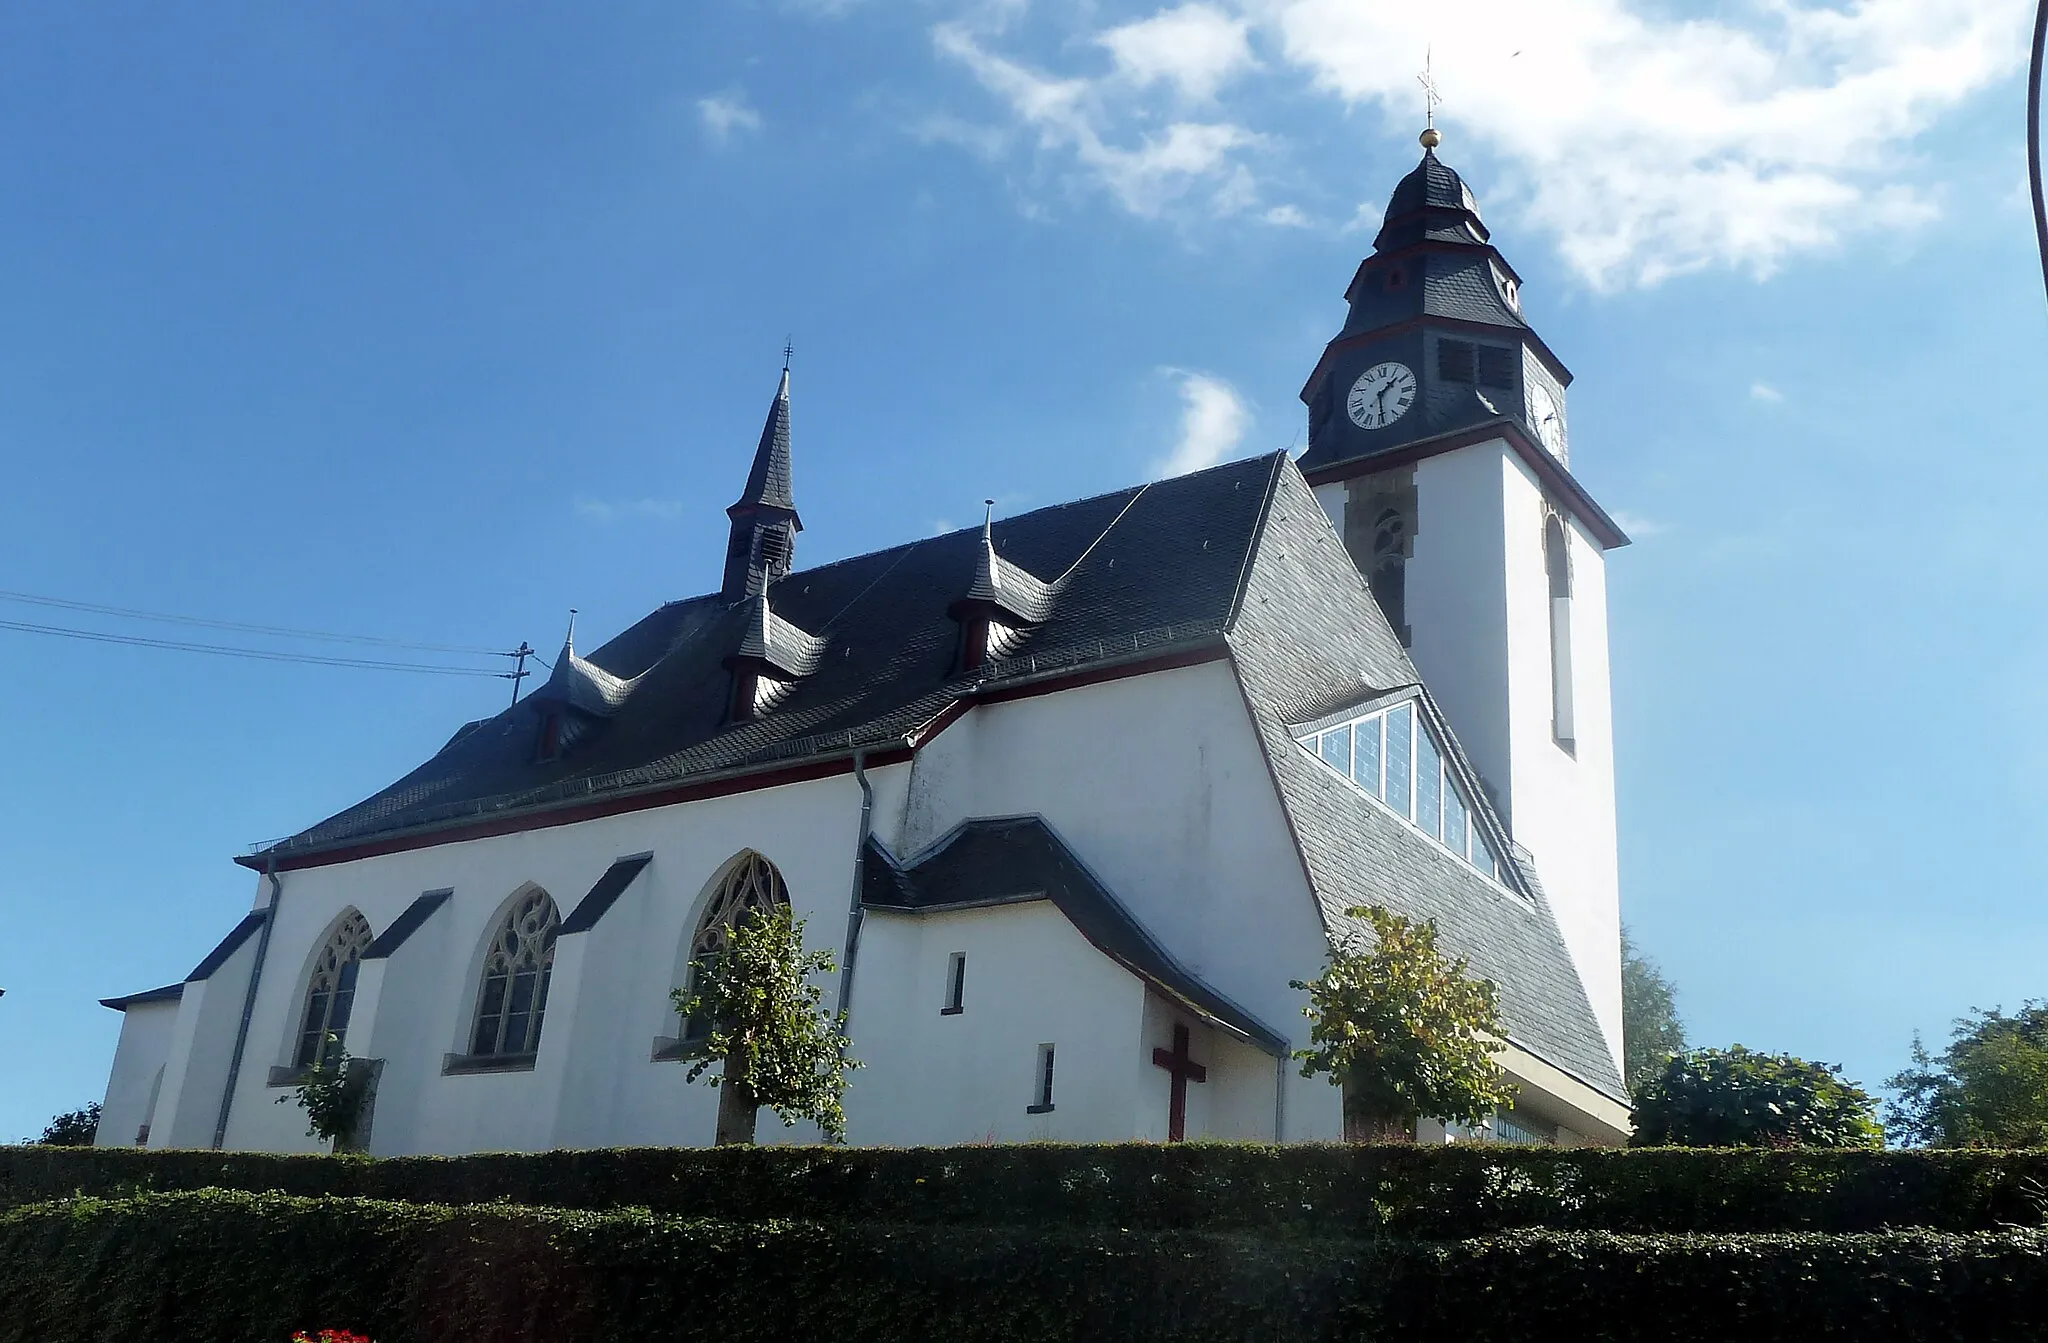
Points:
[(1439, 447), (762, 546)]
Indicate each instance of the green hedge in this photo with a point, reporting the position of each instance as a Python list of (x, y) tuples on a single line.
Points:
[(1439, 1192), (227, 1267)]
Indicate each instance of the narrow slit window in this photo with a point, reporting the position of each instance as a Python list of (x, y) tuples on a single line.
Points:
[(956, 983), (1043, 1084), (1558, 569)]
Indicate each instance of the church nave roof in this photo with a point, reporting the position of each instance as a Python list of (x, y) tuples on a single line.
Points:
[(871, 646)]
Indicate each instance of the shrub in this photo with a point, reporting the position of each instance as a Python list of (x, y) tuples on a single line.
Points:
[(1404, 1030), (1740, 1098), (1306, 1191), (76, 1129), (1989, 1088), (247, 1266)]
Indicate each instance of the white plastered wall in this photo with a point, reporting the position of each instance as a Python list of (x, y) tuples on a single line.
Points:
[(592, 1083), (1478, 606), (1158, 784), (1032, 979), (136, 1080), (202, 1046)]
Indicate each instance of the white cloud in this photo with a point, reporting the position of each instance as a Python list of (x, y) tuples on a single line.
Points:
[(1651, 146), (1637, 526), (607, 511), (1197, 48), (1186, 159), (1763, 391), (1645, 143), (1213, 420), (1286, 216), (726, 113)]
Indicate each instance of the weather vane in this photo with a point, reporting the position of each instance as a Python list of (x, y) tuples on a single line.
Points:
[(788, 349), (1431, 137)]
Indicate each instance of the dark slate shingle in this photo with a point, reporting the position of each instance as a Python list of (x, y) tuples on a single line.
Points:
[(1016, 858), (1310, 637)]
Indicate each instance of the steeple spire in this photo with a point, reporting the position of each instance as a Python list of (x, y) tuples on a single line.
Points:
[(764, 518)]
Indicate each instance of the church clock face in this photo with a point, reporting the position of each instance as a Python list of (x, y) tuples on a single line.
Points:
[(1546, 417), (1381, 395)]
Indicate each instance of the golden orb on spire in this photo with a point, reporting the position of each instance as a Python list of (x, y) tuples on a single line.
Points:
[(1431, 138)]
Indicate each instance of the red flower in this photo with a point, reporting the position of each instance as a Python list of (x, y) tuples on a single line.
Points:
[(330, 1336)]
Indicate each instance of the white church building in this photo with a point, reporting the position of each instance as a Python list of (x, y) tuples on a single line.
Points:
[(1071, 798)]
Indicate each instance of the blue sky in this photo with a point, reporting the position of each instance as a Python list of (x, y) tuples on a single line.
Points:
[(431, 322)]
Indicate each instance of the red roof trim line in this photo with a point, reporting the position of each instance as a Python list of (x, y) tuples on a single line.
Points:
[(621, 803)]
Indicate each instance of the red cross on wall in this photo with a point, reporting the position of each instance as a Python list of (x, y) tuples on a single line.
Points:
[(1183, 1070)]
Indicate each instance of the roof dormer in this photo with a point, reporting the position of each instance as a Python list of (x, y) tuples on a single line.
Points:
[(772, 655), (577, 695), (1001, 604)]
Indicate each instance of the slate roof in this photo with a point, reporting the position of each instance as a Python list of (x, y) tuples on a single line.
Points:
[(605, 893), (227, 946), (169, 993), (1011, 588), (582, 685), (1137, 572), (406, 924), (778, 643), (768, 482), (1358, 853), (1019, 858), (1239, 557)]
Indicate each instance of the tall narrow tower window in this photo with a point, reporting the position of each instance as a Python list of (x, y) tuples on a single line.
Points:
[(1557, 567)]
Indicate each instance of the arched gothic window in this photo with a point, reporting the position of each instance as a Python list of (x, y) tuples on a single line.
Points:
[(751, 885), (331, 991), (1557, 568), (514, 993)]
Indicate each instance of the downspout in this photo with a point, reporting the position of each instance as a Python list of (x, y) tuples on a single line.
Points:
[(860, 862), (1280, 1099), (227, 1095)]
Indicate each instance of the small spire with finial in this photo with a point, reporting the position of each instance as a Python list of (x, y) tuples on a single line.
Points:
[(788, 349), (1431, 137), (988, 517), (569, 639)]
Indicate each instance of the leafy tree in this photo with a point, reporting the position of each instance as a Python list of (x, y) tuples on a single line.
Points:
[(1989, 1088), (334, 1093), (1740, 1098), (1404, 1031), (1651, 1033), (779, 1047), (76, 1129)]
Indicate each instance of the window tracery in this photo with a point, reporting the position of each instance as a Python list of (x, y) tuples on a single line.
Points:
[(513, 996), (331, 992), (751, 885)]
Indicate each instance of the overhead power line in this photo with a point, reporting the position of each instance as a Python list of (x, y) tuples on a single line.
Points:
[(256, 654), (242, 627)]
